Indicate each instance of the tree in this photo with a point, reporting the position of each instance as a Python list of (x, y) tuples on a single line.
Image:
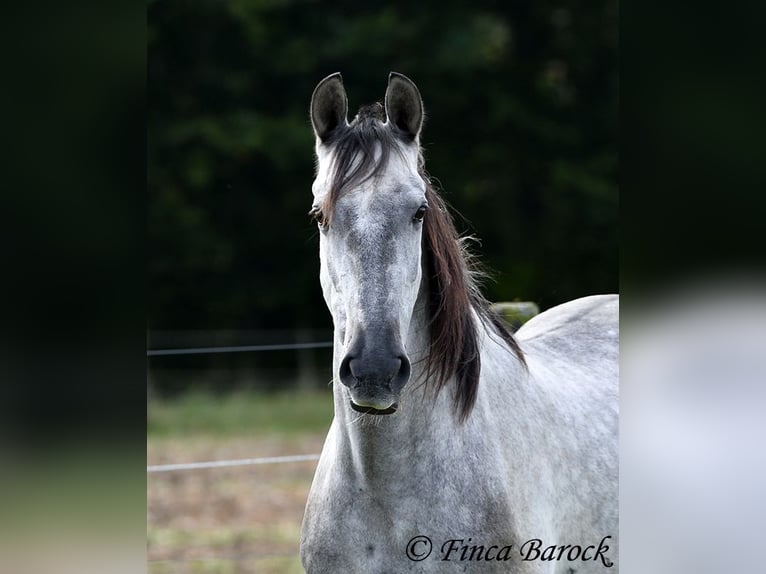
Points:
[(521, 101)]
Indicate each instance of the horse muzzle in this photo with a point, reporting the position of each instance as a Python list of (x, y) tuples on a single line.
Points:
[(375, 379)]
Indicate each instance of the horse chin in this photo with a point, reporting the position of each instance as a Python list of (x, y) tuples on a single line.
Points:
[(374, 411)]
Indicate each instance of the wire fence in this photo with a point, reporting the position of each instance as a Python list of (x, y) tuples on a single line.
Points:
[(184, 562), (234, 349), (230, 463), (238, 349), (174, 562)]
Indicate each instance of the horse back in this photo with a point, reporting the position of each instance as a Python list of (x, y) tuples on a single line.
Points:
[(583, 331)]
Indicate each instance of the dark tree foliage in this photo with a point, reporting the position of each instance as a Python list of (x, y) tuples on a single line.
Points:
[(521, 133)]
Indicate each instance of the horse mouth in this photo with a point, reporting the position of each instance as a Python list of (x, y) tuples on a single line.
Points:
[(373, 411)]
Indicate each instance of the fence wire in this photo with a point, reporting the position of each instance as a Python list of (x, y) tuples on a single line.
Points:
[(228, 463), (238, 349)]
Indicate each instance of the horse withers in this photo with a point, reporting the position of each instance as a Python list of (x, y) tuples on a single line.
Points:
[(455, 446)]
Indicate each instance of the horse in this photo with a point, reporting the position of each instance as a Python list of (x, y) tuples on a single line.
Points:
[(456, 445)]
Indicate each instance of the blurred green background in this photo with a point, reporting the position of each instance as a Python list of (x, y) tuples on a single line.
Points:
[(521, 100)]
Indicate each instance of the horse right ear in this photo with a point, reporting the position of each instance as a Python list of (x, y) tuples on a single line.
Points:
[(404, 106), (329, 106)]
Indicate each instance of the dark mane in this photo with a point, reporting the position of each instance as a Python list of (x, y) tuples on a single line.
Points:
[(453, 294)]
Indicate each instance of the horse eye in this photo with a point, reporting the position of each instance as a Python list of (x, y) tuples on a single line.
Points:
[(420, 213), (318, 216)]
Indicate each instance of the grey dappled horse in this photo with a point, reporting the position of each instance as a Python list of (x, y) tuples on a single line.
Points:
[(455, 446)]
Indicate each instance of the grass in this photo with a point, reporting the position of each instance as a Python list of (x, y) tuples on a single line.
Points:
[(240, 413), (268, 565), (231, 520)]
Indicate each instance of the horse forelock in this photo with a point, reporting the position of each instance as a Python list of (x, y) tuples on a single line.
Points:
[(358, 151), (361, 150)]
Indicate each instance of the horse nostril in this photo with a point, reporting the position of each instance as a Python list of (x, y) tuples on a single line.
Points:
[(345, 374), (403, 375), (405, 366)]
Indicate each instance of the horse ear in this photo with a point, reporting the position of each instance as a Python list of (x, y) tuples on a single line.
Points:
[(404, 107), (329, 106)]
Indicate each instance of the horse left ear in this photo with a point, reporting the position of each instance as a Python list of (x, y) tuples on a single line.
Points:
[(329, 106), (404, 106)]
